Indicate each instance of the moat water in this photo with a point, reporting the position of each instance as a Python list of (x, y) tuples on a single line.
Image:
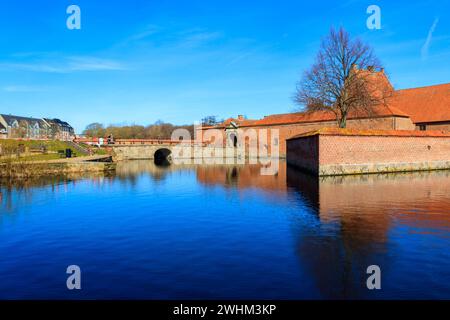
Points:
[(213, 232)]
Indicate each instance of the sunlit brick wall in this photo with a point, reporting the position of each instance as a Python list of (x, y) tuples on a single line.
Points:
[(291, 130), (382, 149)]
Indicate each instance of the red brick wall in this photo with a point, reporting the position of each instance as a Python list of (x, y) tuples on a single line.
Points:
[(380, 149), (289, 131)]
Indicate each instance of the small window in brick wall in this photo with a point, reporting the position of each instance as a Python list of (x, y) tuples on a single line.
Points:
[(422, 127)]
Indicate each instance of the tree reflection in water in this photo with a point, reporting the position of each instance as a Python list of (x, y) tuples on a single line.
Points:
[(340, 225)]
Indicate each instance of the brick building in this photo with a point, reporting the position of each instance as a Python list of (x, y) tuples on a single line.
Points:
[(426, 108)]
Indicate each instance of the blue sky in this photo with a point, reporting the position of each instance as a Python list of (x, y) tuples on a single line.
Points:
[(138, 61)]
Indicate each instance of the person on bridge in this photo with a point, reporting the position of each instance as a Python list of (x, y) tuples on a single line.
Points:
[(110, 139)]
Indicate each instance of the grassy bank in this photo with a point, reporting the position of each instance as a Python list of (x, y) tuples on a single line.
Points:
[(24, 159), (9, 148), (27, 169), (52, 145)]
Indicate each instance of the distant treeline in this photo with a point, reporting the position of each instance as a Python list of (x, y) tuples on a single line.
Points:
[(158, 130)]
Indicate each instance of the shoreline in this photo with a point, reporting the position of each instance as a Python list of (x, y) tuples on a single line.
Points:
[(88, 164)]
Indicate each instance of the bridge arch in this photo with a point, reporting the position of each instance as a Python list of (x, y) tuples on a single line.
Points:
[(163, 156)]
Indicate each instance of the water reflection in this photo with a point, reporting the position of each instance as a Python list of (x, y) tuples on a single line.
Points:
[(17, 192), (338, 225), (369, 212), (350, 218)]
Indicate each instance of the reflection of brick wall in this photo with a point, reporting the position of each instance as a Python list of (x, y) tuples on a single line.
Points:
[(352, 151), (242, 177)]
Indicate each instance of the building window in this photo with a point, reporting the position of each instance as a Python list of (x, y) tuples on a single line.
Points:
[(422, 127)]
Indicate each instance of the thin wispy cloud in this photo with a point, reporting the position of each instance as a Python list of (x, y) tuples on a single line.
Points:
[(24, 88), (239, 58), (142, 36), (156, 37), (94, 64), (147, 32), (197, 37), (427, 44), (65, 65)]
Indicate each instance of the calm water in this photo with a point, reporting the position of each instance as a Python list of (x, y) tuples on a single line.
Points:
[(226, 232)]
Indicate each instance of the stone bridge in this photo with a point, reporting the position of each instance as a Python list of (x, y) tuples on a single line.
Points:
[(139, 149), (158, 150), (163, 151), (159, 153)]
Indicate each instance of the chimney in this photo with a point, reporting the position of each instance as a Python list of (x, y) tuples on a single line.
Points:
[(240, 117), (371, 68), (382, 70)]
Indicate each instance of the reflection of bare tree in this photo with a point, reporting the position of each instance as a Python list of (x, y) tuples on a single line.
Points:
[(350, 218), (340, 224)]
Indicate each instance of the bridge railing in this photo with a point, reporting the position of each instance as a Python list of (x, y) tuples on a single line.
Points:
[(139, 141), (150, 141)]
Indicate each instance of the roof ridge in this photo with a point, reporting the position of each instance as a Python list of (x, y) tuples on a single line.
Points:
[(423, 87)]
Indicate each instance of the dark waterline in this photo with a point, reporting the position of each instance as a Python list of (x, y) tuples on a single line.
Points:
[(212, 232)]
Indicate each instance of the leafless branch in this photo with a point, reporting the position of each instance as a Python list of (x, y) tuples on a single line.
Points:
[(344, 79)]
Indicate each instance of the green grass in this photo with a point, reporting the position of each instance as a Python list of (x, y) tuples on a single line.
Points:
[(53, 146), (39, 157), (97, 151), (100, 151)]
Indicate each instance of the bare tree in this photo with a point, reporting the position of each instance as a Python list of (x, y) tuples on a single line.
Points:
[(342, 79), (210, 121)]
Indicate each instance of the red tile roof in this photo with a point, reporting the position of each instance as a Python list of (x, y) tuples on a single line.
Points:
[(305, 117), (426, 104)]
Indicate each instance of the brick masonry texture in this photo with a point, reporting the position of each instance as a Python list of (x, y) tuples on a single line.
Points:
[(290, 130), (333, 154)]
